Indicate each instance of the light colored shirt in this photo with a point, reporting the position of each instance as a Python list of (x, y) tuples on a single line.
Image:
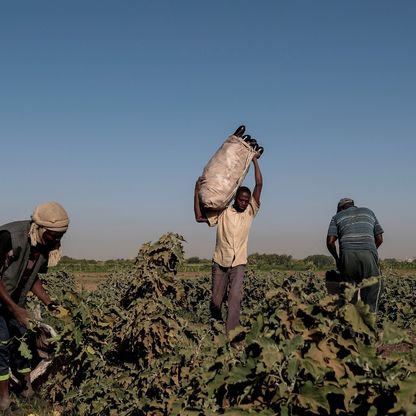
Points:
[(233, 228)]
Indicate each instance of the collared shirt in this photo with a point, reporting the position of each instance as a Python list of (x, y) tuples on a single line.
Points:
[(233, 228)]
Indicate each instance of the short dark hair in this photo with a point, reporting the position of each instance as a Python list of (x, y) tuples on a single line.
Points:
[(242, 189)]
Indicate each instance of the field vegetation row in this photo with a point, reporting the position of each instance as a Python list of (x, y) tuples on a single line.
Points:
[(256, 261), (144, 343)]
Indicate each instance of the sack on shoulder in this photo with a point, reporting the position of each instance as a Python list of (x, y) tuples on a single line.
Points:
[(225, 172)]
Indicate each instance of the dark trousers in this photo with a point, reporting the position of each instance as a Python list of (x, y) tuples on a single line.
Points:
[(10, 333), (363, 264), (230, 278)]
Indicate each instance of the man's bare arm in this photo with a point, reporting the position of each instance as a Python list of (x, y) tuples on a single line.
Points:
[(258, 178), (378, 239), (332, 248), (39, 291), (17, 311), (199, 217)]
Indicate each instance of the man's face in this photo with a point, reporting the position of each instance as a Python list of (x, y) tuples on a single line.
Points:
[(52, 238), (241, 201)]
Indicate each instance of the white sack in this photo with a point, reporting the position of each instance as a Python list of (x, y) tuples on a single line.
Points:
[(44, 350), (225, 172)]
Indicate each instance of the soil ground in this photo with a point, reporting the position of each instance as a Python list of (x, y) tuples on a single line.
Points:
[(90, 280)]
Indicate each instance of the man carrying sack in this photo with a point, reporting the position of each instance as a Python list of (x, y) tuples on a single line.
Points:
[(230, 256), (26, 249)]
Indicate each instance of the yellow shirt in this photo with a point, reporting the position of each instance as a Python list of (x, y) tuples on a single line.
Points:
[(233, 228)]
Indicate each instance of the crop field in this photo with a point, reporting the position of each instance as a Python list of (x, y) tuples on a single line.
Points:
[(143, 343), (91, 281)]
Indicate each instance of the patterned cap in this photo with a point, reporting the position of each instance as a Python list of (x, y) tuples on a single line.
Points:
[(344, 201)]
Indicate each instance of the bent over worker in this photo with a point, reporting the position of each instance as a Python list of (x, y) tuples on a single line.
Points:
[(230, 256), (359, 235), (26, 249)]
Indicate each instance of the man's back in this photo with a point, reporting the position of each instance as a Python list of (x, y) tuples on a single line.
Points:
[(355, 228), (359, 234)]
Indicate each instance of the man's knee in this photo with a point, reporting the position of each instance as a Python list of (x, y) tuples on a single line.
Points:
[(4, 360), (370, 295), (215, 311), (219, 282), (236, 283)]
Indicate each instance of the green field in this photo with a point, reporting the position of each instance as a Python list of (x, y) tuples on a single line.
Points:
[(89, 273), (143, 343)]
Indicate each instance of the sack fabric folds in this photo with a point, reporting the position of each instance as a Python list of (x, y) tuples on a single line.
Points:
[(224, 173)]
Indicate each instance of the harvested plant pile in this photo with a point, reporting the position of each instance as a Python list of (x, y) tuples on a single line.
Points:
[(144, 344)]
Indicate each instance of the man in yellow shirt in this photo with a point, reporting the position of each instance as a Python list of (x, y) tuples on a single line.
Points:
[(230, 256)]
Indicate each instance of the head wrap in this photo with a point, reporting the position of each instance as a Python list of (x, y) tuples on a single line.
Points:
[(48, 216), (343, 202)]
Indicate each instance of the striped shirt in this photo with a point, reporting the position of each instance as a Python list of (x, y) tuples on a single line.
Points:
[(355, 228)]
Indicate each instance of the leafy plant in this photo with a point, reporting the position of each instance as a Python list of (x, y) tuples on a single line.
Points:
[(144, 343)]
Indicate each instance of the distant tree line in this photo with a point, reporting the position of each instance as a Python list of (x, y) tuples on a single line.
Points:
[(287, 262), (255, 260), (278, 261), (399, 264), (72, 265)]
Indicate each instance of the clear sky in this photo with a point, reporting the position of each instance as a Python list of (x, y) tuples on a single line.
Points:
[(112, 108)]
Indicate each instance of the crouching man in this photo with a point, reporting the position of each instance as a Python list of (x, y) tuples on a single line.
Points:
[(26, 249), (359, 235)]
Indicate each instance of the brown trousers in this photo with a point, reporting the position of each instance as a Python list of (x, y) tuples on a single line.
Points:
[(230, 278)]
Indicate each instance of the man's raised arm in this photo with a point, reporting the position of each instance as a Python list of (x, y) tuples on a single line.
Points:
[(199, 217), (258, 178)]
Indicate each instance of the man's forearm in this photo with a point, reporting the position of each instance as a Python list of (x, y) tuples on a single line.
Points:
[(333, 250), (197, 209), (199, 217), (5, 298), (17, 311), (378, 239), (258, 177), (259, 181), (39, 291)]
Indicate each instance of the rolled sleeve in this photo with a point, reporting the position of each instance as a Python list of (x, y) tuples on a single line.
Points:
[(254, 207), (212, 217), (378, 229), (332, 229)]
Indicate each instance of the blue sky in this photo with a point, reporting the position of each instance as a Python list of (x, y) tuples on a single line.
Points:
[(113, 109)]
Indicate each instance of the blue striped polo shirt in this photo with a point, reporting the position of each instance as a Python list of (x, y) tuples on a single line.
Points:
[(355, 228)]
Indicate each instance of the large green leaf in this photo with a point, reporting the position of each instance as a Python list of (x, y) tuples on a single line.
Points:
[(406, 397), (312, 398)]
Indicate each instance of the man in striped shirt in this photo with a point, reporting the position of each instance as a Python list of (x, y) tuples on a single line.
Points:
[(359, 235)]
